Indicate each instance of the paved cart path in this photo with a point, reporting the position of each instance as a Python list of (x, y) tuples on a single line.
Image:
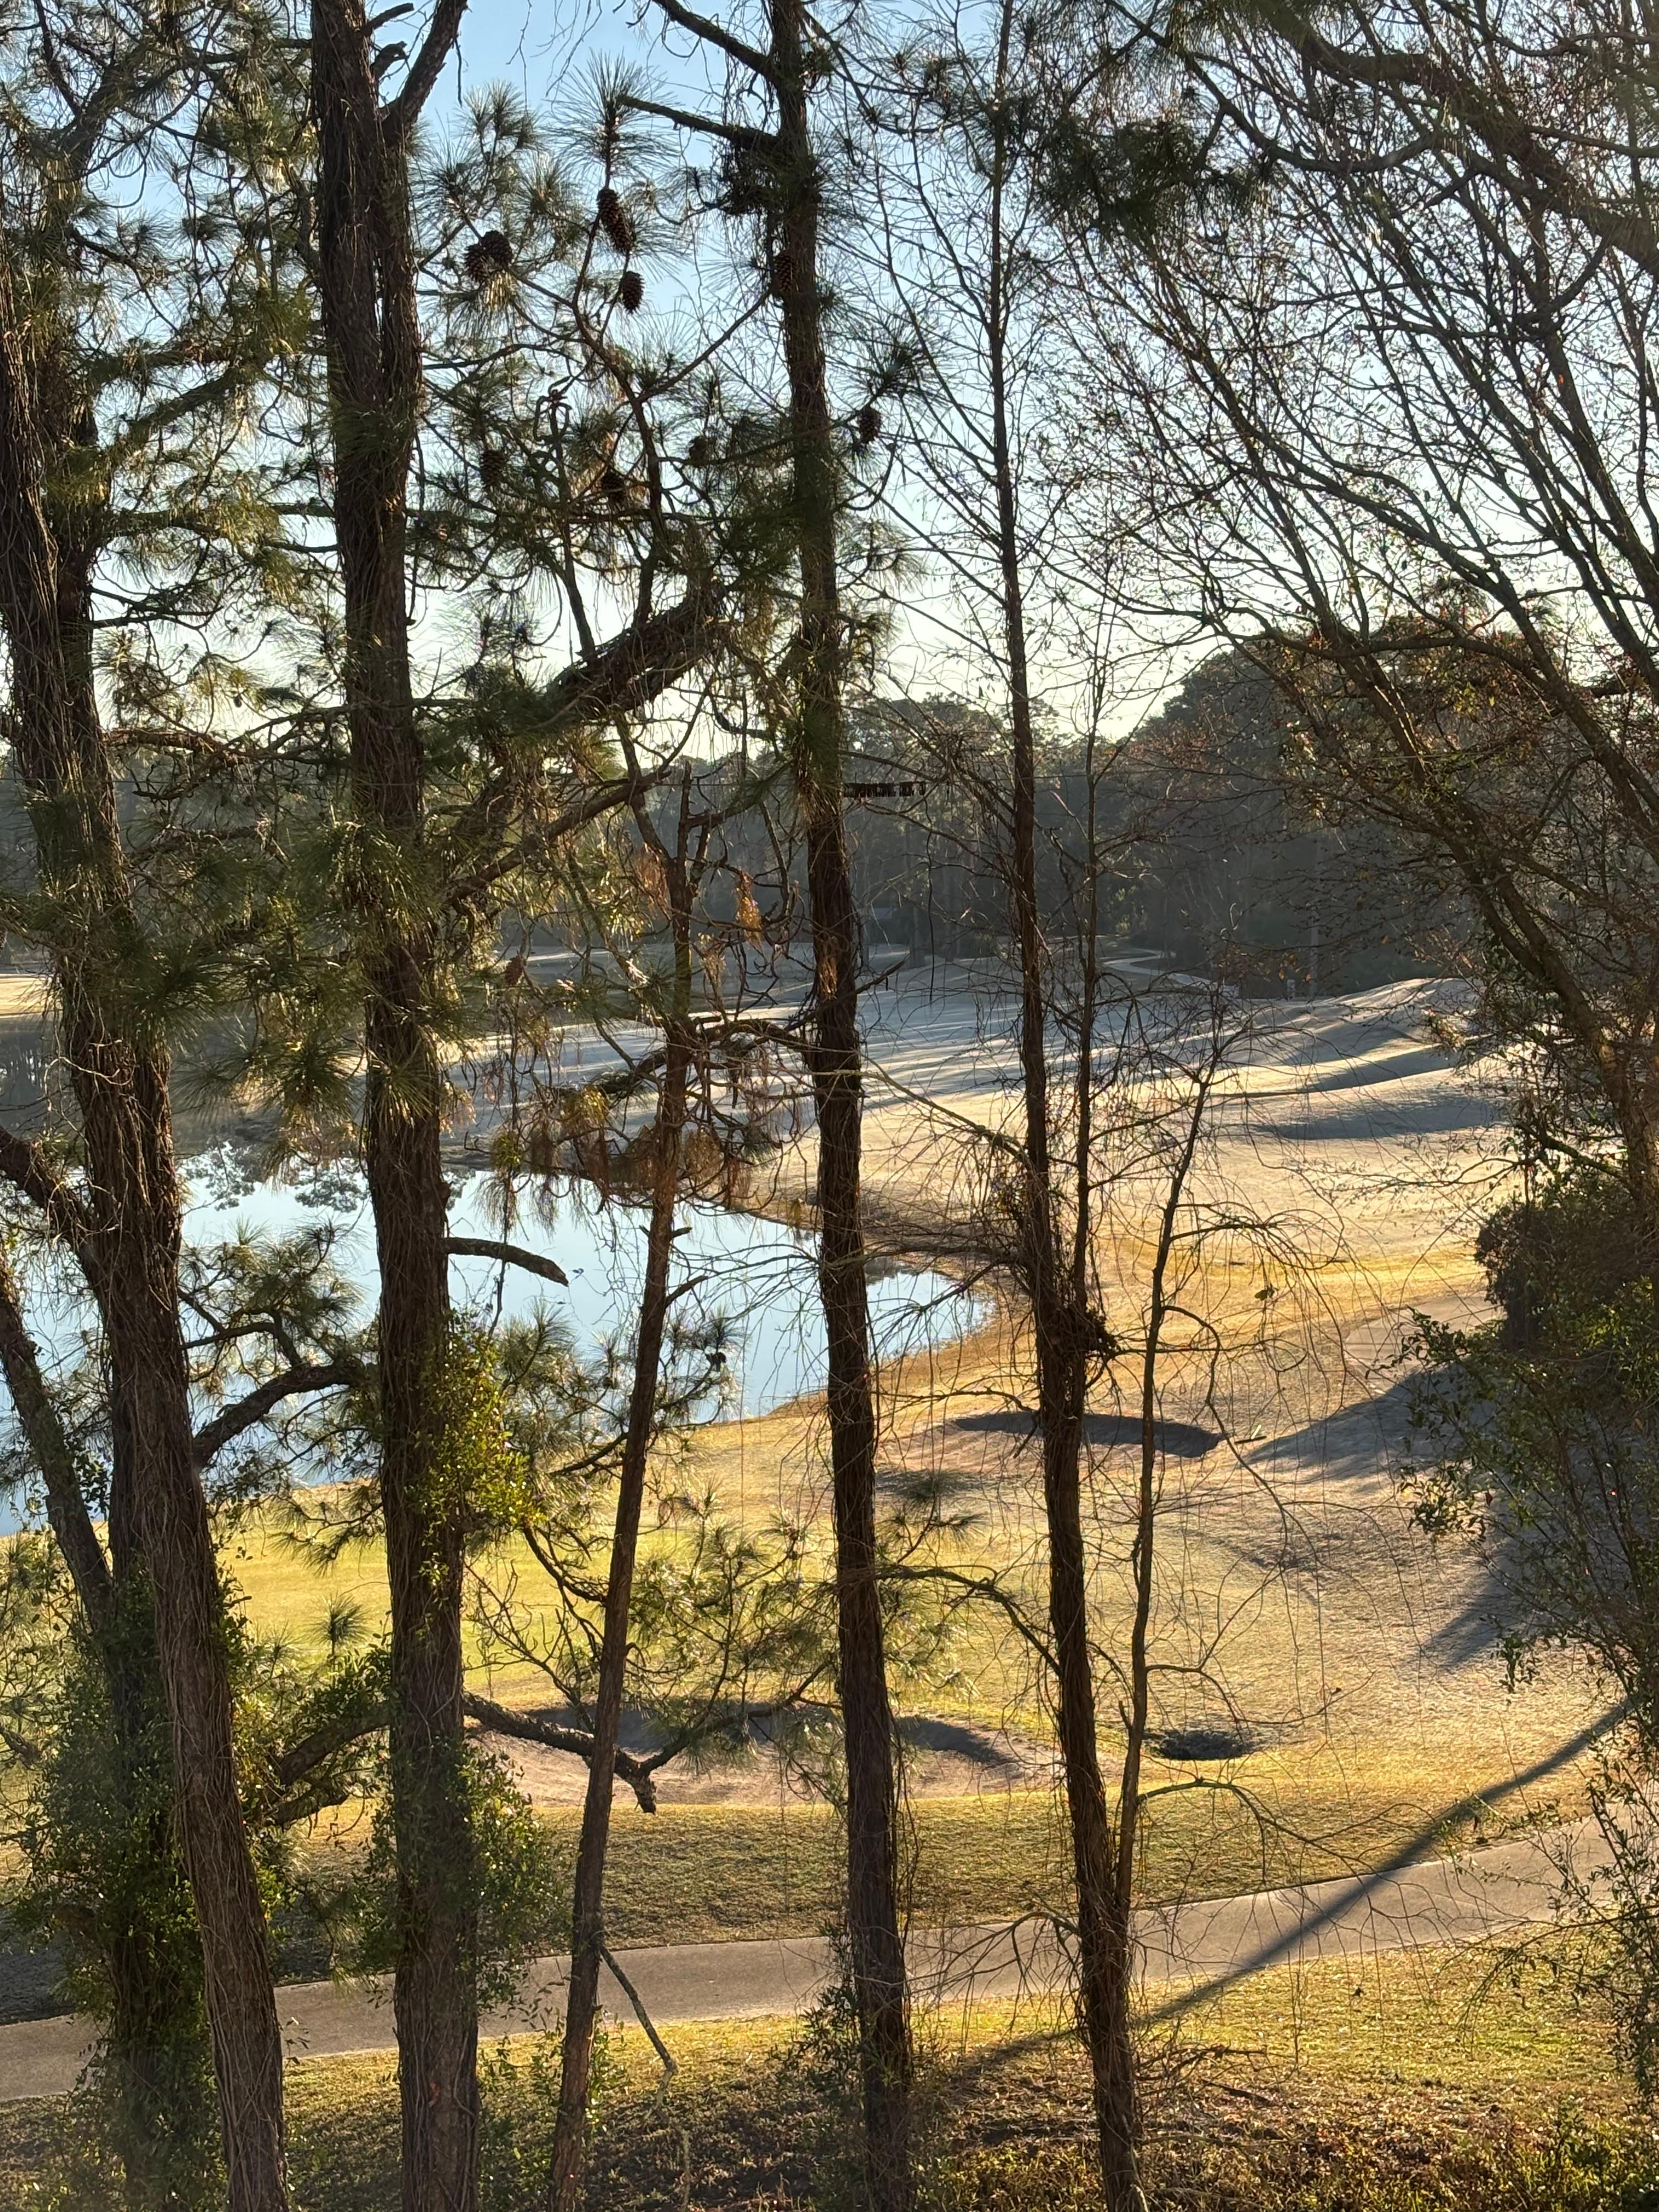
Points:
[(1188, 1950)]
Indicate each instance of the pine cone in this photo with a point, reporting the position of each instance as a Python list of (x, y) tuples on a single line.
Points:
[(869, 425), (489, 256), (615, 222), (631, 290)]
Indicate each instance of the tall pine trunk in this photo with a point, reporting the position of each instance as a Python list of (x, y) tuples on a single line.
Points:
[(128, 1237), (371, 331), (1057, 1285), (783, 162), (835, 1059)]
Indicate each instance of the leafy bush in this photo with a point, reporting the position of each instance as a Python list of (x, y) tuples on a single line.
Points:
[(1542, 1437), (513, 1880), (1541, 1433), (102, 1880), (519, 2086)]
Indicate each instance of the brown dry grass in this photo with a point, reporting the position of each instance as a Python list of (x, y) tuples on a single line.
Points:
[(1294, 1594), (1466, 2081)]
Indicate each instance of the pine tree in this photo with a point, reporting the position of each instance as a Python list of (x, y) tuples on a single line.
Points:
[(772, 175), (126, 346), (444, 810)]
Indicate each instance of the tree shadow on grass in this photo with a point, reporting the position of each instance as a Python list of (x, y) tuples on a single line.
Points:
[(1176, 1439)]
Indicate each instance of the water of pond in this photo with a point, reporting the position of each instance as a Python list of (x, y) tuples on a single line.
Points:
[(756, 1275)]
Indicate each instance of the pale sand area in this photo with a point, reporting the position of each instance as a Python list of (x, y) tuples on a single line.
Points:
[(1348, 1166), (942, 1758), (1295, 1599), (24, 995)]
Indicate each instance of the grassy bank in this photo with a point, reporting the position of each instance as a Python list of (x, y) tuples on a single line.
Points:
[(695, 1874), (704, 1873), (699, 1873)]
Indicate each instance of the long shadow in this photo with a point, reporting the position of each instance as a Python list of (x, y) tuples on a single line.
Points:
[(1178, 1439), (1370, 1440), (1409, 1853), (1357, 1441), (930, 1732), (1290, 1115)]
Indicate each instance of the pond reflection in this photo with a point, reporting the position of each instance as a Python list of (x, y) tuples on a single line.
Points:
[(755, 1276)]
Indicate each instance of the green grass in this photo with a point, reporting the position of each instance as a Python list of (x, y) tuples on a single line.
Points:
[(696, 1873), (1467, 2081), (703, 1873), (1520, 2015)]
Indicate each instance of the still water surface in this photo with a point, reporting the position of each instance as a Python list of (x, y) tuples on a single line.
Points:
[(757, 1275)]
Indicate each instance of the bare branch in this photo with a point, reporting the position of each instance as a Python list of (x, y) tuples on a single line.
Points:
[(640, 2012), (979, 1586), (746, 134), (637, 1773), (27, 1753), (512, 1255), (1508, 136), (55, 1456), (335, 1734), (704, 26), (28, 1168), (399, 115), (321, 1375)]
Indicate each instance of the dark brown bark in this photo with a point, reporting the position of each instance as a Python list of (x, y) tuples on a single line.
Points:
[(251, 1409), (875, 1938), (640, 1774), (513, 1255), (1058, 1294), (365, 261), (366, 276), (118, 1068), (587, 1903), (835, 1059), (152, 2052), (54, 1454), (170, 1517), (787, 156)]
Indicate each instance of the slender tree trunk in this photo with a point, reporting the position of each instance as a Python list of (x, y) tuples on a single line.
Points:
[(434, 1994), (1059, 1318), (152, 2053), (123, 1096), (66, 1508), (587, 1915), (835, 1061), (141, 1319), (118, 1068), (371, 329), (875, 1937)]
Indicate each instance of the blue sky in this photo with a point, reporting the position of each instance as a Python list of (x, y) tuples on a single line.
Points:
[(543, 48)]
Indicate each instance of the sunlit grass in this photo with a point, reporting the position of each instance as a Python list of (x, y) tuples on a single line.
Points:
[(709, 1872), (1478, 2077)]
